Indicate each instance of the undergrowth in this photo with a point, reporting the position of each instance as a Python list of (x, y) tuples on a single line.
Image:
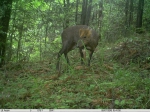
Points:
[(107, 83)]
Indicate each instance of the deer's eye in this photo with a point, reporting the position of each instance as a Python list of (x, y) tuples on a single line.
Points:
[(84, 37)]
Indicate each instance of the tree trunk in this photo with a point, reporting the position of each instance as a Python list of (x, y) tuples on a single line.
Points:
[(40, 48), (66, 19), (76, 16), (83, 14), (126, 13), (5, 6), (126, 24), (139, 16), (131, 13), (46, 35), (19, 41), (100, 18), (88, 12), (11, 36)]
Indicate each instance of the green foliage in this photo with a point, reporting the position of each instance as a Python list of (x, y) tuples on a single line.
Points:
[(117, 78), (57, 40), (105, 84), (146, 15)]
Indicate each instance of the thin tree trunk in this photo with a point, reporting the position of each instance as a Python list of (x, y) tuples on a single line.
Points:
[(100, 18), (40, 48), (76, 16), (66, 19), (131, 13), (126, 13), (126, 24), (19, 41), (46, 35)]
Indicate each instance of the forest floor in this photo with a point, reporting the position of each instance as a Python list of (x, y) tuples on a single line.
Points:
[(118, 77)]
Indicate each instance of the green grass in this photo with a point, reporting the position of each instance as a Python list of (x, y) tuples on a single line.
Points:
[(105, 84)]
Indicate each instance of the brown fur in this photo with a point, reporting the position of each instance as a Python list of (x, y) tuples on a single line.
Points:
[(78, 36), (85, 33)]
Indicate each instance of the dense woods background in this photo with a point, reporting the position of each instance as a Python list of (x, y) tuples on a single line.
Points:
[(30, 40)]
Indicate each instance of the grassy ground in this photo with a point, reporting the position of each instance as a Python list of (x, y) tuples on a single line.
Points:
[(105, 84)]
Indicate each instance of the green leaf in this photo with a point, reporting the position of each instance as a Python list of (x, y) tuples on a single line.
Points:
[(117, 102), (122, 102)]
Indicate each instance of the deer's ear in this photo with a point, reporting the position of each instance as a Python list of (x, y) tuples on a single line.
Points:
[(81, 32)]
